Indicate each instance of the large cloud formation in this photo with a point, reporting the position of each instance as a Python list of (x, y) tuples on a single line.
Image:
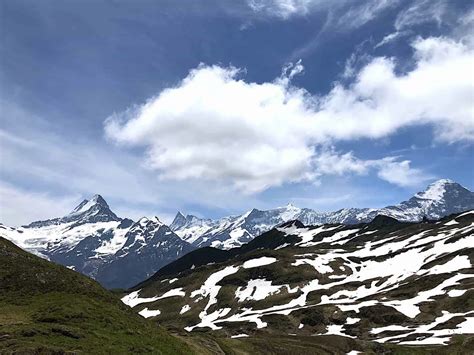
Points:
[(216, 126)]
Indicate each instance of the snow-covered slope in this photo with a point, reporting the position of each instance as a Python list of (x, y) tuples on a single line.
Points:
[(385, 281), (91, 218), (441, 198)]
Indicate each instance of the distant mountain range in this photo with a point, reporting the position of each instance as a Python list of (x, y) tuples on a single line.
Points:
[(439, 199), (120, 253)]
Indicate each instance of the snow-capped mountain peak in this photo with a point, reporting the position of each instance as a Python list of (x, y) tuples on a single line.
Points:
[(86, 205), (436, 190)]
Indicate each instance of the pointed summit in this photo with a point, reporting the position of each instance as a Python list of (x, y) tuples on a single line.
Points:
[(90, 211), (178, 221), (98, 199)]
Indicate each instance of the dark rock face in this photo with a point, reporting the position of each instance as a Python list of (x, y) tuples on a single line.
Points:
[(150, 245)]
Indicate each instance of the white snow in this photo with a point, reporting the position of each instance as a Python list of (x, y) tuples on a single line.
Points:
[(172, 293), (211, 289), (147, 313), (456, 293), (335, 329), (133, 299), (239, 336), (339, 236), (350, 320), (388, 328), (320, 263), (457, 263), (184, 309), (84, 208), (435, 191), (264, 260), (258, 289), (113, 245)]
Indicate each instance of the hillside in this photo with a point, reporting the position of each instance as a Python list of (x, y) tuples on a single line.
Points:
[(46, 308), (390, 283)]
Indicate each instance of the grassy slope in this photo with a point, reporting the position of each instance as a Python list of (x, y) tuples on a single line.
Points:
[(46, 308)]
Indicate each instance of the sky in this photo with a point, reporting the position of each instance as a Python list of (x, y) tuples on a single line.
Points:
[(214, 107)]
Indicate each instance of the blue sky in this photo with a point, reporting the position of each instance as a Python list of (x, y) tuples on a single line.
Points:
[(216, 107)]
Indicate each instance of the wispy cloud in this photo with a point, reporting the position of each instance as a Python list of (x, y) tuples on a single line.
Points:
[(20, 206), (285, 9), (419, 12)]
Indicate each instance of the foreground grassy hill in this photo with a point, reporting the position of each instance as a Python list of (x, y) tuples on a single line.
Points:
[(46, 308)]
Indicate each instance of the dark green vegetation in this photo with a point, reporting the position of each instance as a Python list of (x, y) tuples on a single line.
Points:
[(46, 308)]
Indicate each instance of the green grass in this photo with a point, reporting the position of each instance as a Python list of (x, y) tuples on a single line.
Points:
[(48, 309)]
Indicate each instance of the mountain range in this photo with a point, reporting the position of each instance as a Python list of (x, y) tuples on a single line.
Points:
[(119, 252), (441, 198)]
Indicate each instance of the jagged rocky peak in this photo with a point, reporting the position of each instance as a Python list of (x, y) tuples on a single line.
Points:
[(91, 211), (85, 205), (178, 221)]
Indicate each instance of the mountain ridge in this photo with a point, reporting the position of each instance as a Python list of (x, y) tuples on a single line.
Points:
[(440, 198)]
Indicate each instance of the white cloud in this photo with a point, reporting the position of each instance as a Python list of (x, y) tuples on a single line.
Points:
[(400, 173), (419, 12), (361, 12), (343, 14), (218, 127), (391, 37), (18, 207), (390, 169), (283, 8)]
